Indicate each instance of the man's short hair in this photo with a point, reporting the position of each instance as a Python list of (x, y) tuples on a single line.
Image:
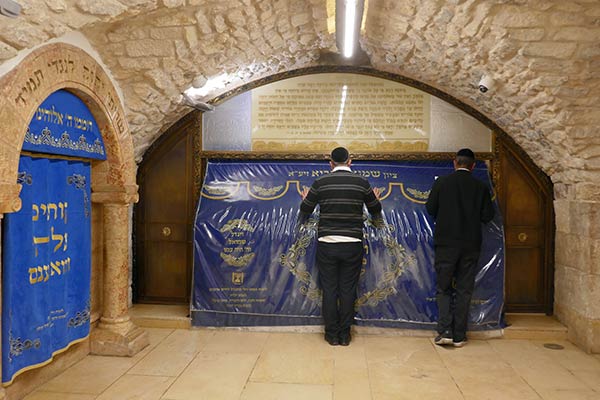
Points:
[(340, 155), (465, 157)]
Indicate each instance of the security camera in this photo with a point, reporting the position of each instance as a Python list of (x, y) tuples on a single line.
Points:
[(10, 8), (485, 83), (196, 104)]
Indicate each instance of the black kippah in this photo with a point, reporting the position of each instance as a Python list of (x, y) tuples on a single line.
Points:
[(339, 155), (466, 153)]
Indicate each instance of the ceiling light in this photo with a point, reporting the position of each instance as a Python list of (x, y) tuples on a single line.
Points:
[(349, 28)]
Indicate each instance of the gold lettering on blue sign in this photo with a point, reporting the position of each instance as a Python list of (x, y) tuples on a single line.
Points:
[(42, 273)]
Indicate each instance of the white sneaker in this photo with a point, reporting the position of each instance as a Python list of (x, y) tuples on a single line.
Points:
[(443, 339)]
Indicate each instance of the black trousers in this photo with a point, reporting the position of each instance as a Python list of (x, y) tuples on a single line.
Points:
[(339, 268), (458, 265)]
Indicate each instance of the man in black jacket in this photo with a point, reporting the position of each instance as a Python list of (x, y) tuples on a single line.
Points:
[(340, 195), (459, 203)]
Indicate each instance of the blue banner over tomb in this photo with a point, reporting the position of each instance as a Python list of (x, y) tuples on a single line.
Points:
[(46, 269), (252, 266), (64, 125)]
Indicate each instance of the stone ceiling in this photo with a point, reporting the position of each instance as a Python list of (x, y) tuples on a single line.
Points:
[(544, 55)]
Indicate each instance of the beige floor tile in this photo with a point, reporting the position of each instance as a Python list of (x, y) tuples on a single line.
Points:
[(401, 351), (591, 378), (91, 375), (173, 354), (519, 352), (480, 373), (287, 391), (236, 342), (293, 367), (228, 364), (407, 368), (213, 376), (312, 343), (550, 377), (477, 355), (571, 357), (138, 387), (403, 382), (570, 395), (537, 365), (498, 383), (295, 358), (58, 396), (155, 337), (351, 376), (355, 351)]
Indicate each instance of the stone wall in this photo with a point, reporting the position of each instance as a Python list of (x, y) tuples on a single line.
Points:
[(544, 56), (577, 271)]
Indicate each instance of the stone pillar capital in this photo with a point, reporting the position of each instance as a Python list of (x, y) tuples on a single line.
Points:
[(9, 197), (115, 194)]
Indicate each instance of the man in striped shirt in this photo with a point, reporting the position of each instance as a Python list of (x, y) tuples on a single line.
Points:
[(340, 196)]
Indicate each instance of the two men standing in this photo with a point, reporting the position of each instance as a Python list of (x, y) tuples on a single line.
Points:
[(459, 203)]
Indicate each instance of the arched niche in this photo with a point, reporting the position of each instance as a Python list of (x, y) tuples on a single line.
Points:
[(41, 73), (47, 69), (189, 128)]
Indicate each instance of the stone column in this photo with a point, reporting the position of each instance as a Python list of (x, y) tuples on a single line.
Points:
[(115, 334)]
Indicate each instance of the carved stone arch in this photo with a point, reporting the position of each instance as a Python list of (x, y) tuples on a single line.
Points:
[(44, 71), (63, 66)]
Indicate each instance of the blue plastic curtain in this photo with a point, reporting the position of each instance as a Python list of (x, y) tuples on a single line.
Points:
[(254, 266)]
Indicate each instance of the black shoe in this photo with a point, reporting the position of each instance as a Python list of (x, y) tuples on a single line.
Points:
[(459, 342), (332, 341), (345, 340), (443, 338)]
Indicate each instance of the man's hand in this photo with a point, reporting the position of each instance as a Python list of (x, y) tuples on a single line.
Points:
[(304, 192), (377, 193)]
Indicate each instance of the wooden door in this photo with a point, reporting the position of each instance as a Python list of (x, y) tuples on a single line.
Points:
[(525, 197), (164, 218)]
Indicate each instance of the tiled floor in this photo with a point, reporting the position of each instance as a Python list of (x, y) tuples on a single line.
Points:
[(229, 364)]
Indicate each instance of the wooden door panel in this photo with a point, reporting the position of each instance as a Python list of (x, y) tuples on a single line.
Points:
[(165, 187), (523, 236), (526, 201), (523, 201), (165, 276), (167, 232), (522, 272), (164, 217)]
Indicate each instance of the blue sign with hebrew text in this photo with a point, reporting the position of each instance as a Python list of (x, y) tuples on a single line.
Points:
[(64, 125), (254, 266), (46, 264)]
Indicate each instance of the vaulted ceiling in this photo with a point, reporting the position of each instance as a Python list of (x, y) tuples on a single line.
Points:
[(544, 56)]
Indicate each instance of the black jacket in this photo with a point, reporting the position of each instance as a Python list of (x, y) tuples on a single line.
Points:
[(459, 203)]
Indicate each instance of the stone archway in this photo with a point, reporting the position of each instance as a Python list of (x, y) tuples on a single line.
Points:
[(63, 66)]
